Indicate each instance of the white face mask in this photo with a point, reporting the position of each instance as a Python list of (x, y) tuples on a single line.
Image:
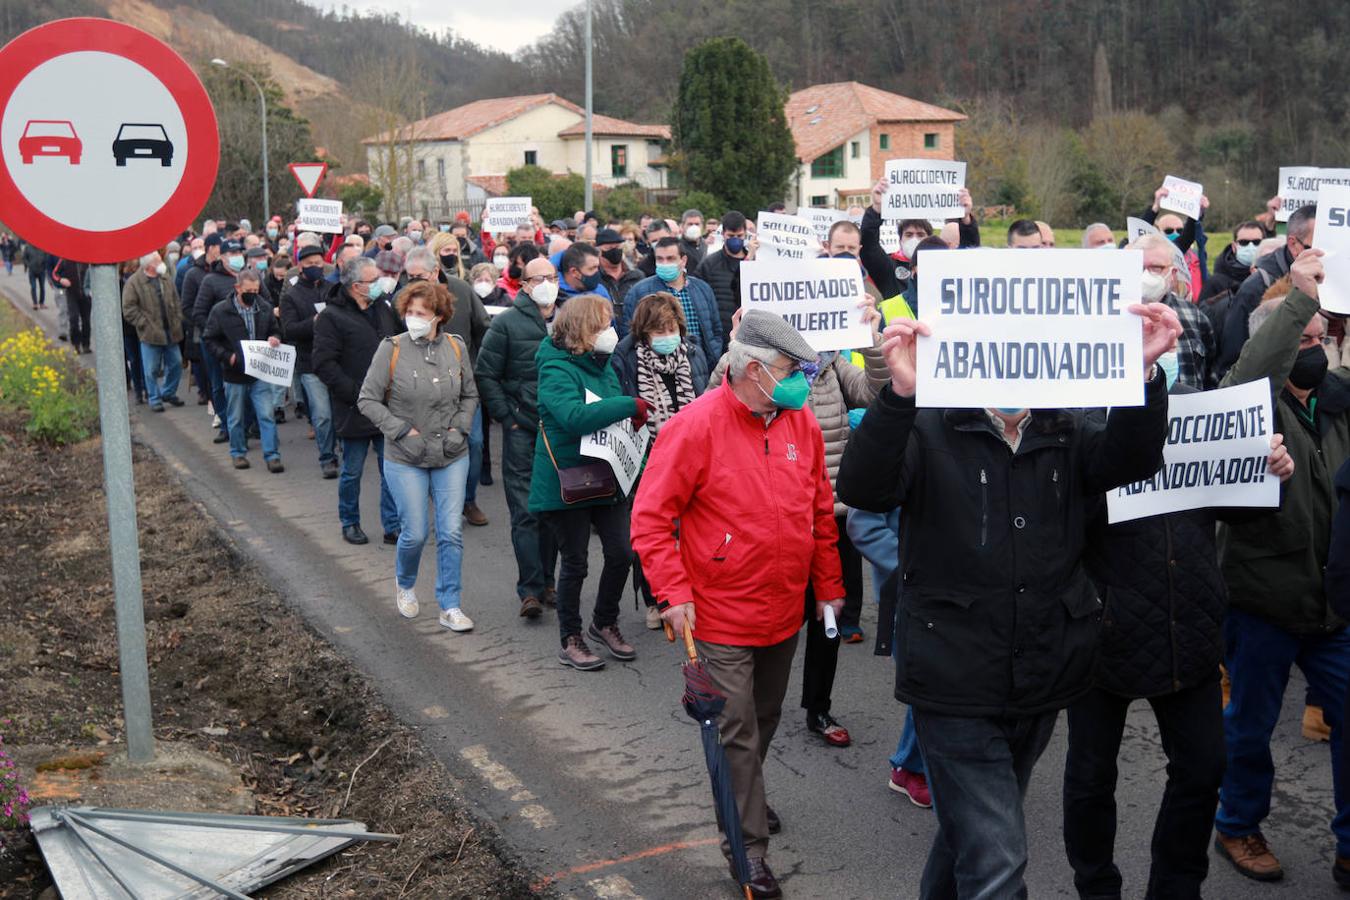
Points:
[(693, 232), (482, 288), (161, 269), (198, 253), (1152, 287), (544, 293), (388, 283), (418, 327), (908, 246), (416, 236), (606, 341), (501, 262)]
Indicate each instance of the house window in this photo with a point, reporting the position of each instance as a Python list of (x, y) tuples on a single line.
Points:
[(885, 142), (930, 140), (618, 160), (820, 200), (440, 169), (855, 150), (531, 157), (829, 165), (421, 168)]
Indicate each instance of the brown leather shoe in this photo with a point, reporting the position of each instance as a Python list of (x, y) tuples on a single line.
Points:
[(613, 641), (531, 608), (240, 462), (549, 598), (763, 884), (473, 515), (1250, 855)]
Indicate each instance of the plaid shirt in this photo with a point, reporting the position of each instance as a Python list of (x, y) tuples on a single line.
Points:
[(690, 314), (1197, 348)]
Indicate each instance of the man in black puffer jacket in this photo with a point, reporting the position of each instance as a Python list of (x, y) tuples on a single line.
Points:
[(1164, 601), (1231, 269), (722, 271), (346, 335), (305, 295), (998, 620)]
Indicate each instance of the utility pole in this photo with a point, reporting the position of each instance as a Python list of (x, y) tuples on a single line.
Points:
[(589, 147)]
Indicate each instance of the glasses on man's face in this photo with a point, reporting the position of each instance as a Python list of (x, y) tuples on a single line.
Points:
[(536, 279), (1158, 270), (1171, 231), (1249, 242)]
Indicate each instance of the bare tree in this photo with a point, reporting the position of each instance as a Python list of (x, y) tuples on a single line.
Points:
[(391, 91)]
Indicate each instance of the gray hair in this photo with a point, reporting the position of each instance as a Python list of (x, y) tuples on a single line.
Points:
[(1087, 232), (149, 259), (1300, 220), (355, 269), (249, 274), (1183, 271), (740, 355), (401, 245), (423, 257), (1150, 241), (1261, 313), (308, 239)]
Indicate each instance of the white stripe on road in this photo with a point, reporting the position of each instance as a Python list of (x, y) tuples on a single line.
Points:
[(503, 779), (613, 887)]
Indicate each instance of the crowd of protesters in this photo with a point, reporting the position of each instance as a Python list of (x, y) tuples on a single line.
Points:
[(778, 470)]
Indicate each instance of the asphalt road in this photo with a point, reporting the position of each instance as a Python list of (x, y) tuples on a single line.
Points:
[(597, 778)]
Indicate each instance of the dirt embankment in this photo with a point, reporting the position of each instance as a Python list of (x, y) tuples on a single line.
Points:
[(226, 654)]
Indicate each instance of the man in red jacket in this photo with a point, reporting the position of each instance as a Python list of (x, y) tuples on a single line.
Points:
[(740, 473)]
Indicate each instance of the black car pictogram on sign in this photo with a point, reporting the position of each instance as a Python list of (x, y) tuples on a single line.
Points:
[(141, 141)]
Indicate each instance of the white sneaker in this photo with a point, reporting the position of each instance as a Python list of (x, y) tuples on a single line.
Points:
[(406, 600), (455, 620), (215, 420)]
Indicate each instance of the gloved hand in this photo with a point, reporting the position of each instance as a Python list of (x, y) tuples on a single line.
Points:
[(644, 409)]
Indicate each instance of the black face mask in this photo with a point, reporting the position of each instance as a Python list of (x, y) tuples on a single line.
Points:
[(1310, 367), (448, 260), (613, 256), (247, 297), (513, 272), (312, 273)]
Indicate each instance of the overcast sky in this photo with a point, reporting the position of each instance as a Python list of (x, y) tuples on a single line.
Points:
[(502, 26)]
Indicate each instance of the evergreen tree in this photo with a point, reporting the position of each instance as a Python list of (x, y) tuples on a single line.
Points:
[(730, 131)]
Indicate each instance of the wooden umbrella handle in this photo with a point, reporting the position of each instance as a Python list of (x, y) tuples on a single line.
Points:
[(689, 642)]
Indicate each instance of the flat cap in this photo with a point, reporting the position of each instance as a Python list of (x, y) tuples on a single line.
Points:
[(770, 331), (386, 231)]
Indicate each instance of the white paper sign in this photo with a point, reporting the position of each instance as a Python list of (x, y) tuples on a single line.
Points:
[(821, 298), (1037, 329), (619, 445), (505, 213), (274, 365), (822, 220), (923, 189), (889, 236), (1332, 234), (786, 237), (1136, 228), (1217, 444), (1182, 196), (495, 310), (320, 306), (322, 216), (1299, 186)]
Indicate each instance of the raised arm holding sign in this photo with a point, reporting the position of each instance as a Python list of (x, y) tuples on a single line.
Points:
[(924, 189)]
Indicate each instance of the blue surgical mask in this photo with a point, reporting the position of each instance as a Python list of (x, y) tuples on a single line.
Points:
[(1169, 364), (376, 290), (261, 265), (668, 272), (1246, 255), (235, 262), (735, 245), (1010, 410), (1174, 236), (666, 344)]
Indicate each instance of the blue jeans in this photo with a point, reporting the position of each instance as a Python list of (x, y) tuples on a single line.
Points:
[(258, 395), (877, 537), (410, 487), (978, 771), (131, 350), (170, 360), (319, 408), (215, 376), (1259, 656), (475, 456), (349, 483)]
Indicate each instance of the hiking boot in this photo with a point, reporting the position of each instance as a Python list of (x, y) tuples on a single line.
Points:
[(549, 598), (406, 600), (851, 634), (329, 470), (911, 785), (240, 462), (576, 654), (653, 619), (275, 467), (531, 608), (473, 515), (1250, 855), (613, 641), (455, 620)]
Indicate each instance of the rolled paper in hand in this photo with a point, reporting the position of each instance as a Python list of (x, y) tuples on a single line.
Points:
[(831, 629)]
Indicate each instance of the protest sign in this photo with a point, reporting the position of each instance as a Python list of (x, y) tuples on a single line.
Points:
[(923, 189), (1215, 455), (1332, 235), (889, 235), (1299, 186), (1182, 196), (320, 306), (274, 365), (1136, 228), (496, 310), (786, 237), (822, 220), (819, 297), (620, 445), (1043, 329), (322, 216), (502, 214)]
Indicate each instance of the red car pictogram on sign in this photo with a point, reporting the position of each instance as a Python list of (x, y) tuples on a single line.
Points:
[(50, 137)]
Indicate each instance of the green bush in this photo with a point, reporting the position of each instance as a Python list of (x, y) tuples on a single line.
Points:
[(42, 380)]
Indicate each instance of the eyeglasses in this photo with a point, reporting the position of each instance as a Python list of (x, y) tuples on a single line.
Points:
[(1158, 270), (536, 279), (1250, 242), (1171, 231)]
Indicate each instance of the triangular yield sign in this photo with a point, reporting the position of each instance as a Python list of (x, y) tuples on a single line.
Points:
[(309, 175)]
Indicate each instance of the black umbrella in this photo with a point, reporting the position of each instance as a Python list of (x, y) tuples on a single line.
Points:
[(704, 702)]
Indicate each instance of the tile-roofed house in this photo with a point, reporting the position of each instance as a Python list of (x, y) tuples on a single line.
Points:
[(458, 157), (846, 131)]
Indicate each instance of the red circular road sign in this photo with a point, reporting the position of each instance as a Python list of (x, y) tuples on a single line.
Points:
[(108, 142)]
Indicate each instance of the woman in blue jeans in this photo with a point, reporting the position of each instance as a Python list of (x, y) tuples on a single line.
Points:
[(420, 393)]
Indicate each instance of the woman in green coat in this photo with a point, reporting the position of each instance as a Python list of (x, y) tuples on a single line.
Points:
[(573, 361)]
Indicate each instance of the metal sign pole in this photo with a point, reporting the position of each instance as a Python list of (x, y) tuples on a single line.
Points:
[(123, 535)]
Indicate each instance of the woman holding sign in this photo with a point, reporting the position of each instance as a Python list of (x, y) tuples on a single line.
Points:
[(579, 395), (420, 393)]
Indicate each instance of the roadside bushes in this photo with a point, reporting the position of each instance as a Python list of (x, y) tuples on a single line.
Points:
[(43, 381)]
